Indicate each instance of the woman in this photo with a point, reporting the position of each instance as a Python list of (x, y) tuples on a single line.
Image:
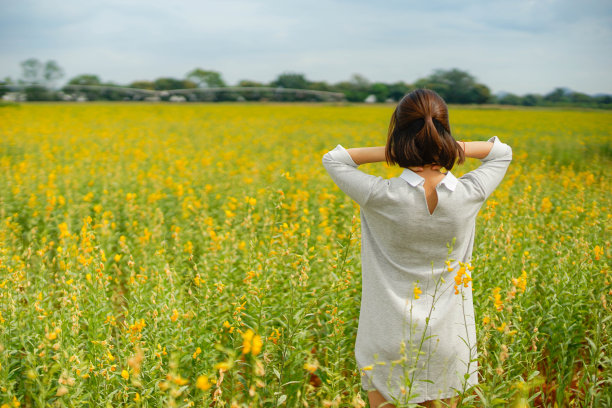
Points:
[(416, 340)]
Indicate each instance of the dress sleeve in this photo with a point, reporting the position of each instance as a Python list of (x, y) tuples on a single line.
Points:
[(343, 170), (487, 177)]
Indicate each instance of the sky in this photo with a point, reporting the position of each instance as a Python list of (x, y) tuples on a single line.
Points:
[(518, 46)]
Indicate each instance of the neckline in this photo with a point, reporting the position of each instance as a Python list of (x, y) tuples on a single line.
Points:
[(449, 180)]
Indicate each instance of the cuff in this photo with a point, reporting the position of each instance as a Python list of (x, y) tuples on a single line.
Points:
[(340, 154), (496, 151)]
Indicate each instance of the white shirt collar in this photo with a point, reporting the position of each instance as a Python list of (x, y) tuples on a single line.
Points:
[(450, 181)]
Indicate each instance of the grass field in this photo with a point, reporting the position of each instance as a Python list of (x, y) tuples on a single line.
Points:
[(196, 255)]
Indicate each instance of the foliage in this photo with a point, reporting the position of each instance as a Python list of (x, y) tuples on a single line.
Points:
[(85, 79), (158, 255), (206, 79), (290, 80), (38, 93), (142, 85), (34, 72), (455, 86), (165, 84)]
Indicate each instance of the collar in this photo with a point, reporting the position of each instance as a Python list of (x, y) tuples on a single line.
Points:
[(450, 181)]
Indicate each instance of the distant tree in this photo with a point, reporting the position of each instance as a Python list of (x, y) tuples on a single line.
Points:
[(166, 84), (206, 79), (455, 86), (359, 82), (85, 79), (252, 95), (32, 71), (558, 95), (580, 98), (52, 72), (320, 86), (247, 82), (4, 82), (398, 90), (509, 99), (357, 89), (380, 90), (142, 85), (38, 75), (532, 100), (37, 93), (291, 80), (480, 94), (605, 100), (434, 83)]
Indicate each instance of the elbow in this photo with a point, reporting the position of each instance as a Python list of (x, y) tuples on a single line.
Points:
[(325, 159)]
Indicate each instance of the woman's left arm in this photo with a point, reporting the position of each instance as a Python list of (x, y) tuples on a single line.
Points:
[(362, 155)]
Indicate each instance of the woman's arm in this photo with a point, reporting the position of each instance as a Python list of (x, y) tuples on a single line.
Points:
[(362, 155), (495, 157), (476, 150)]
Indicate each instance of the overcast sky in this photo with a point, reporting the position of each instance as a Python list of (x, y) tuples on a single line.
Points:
[(518, 46)]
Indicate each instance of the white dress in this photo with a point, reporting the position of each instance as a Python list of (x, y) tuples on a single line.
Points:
[(405, 349)]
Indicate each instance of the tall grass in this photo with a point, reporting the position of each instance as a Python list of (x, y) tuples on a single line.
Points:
[(157, 255)]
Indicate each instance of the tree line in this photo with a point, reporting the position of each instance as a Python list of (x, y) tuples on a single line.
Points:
[(456, 86)]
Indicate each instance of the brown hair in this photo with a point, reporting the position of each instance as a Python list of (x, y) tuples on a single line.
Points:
[(419, 132)]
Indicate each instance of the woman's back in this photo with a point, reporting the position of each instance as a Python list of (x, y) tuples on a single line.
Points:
[(405, 245)]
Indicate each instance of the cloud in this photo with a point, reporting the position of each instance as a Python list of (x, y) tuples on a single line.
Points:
[(520, 46)]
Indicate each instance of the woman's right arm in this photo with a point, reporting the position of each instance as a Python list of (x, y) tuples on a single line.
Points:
[(495, 157)]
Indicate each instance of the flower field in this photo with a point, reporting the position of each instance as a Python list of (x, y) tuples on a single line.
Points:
[(200, 255)]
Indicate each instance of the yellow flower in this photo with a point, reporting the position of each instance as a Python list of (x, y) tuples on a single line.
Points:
[(417, 291), (247, 337), (546, 205), (224, 366), (499, 305), (125, 374), (202, 383), (257, 344), (521, 282), (598, 252), (462, 277), (486, 320), (251, 343), (310, 367), (178, 380)]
